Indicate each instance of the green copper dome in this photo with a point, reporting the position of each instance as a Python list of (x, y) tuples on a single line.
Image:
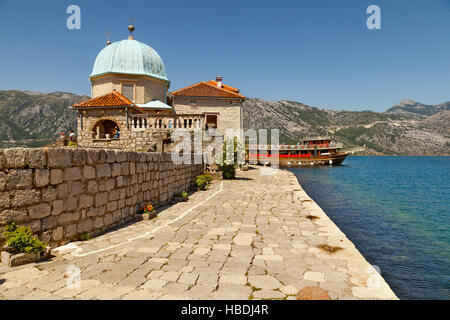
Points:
[(129, 57)]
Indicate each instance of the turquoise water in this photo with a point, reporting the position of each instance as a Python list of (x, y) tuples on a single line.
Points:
[(396, 211)]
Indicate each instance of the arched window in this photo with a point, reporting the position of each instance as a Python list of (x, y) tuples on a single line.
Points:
[(106, 129)]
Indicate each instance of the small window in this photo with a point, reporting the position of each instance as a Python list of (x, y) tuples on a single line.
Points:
[(128, 90), (193, 102), (231, 101), (211, 121)]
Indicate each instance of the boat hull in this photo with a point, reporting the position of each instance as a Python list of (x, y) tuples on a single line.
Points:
[(297, 161)]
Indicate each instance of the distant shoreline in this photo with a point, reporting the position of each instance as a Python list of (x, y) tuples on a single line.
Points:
[(351, 155)]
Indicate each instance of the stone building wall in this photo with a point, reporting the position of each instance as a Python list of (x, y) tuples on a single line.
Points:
[(230, 110), (146, 88), (143, 140), (63, 194), (90, 119)]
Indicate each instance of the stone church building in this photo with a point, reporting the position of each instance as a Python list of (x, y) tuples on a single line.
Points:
[(131, 106)]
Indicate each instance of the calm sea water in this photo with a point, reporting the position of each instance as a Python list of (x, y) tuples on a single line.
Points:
[(396, 210)]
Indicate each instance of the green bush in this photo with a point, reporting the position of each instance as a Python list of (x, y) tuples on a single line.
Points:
[(208, 177), (21, 240), (228, 171), (201, 182), (181, 194)]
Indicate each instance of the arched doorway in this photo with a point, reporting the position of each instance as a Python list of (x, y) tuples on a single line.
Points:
[(105, 129)]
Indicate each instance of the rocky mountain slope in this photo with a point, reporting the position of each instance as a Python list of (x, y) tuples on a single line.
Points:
[(418, 131), (439, 121), (36, 119), (413, 108)]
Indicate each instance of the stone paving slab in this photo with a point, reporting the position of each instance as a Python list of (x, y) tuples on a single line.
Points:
[(257, 237)]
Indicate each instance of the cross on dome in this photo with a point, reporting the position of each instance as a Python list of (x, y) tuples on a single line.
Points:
[(108, 34)]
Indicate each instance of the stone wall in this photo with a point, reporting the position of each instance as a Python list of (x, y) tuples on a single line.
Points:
[(63, 194), (149, 140)]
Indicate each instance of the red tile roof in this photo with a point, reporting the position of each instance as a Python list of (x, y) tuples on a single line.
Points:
[(223, 86), (209, 89), (112, 99)]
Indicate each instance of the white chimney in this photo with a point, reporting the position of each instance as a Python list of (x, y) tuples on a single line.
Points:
[(219, 81)]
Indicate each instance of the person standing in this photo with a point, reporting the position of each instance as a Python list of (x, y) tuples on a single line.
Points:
[(72, 136), (116, 133)]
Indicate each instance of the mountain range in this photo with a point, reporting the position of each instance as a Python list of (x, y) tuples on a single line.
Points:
[(409, 128), (35, 119)]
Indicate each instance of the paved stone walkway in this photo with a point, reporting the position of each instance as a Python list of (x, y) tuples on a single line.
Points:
[(257, 237)]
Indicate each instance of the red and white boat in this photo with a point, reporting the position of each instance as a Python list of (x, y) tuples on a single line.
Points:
[(312, 151)]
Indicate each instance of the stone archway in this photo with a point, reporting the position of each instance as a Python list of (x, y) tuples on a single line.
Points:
[(104, 129)]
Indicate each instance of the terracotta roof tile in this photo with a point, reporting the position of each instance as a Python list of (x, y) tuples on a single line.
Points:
[(223, 86), (112, 99), (209, 89)]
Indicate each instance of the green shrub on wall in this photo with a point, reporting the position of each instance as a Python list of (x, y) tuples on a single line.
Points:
[(20, 239)]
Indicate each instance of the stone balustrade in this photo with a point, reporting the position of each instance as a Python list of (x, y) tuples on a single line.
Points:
[(64, 194), (142, 122)]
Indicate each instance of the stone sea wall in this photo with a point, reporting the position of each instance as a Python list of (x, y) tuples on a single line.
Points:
[(365, 281), (64, 194)]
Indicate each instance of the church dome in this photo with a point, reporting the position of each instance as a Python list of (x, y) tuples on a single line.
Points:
[(129, 57)]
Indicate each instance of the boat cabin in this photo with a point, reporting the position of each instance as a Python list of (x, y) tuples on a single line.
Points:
[(318, 150)]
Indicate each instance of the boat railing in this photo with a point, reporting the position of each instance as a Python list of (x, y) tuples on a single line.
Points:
[(332, 145)]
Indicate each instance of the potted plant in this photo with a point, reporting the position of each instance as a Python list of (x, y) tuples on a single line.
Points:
[(147, 212), (72, 144), (182, 196), (22, 247)]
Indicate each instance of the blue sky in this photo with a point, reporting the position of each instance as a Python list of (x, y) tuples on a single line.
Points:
[(316, 52)]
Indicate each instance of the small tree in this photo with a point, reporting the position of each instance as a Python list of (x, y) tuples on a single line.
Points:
[(233, 153)]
